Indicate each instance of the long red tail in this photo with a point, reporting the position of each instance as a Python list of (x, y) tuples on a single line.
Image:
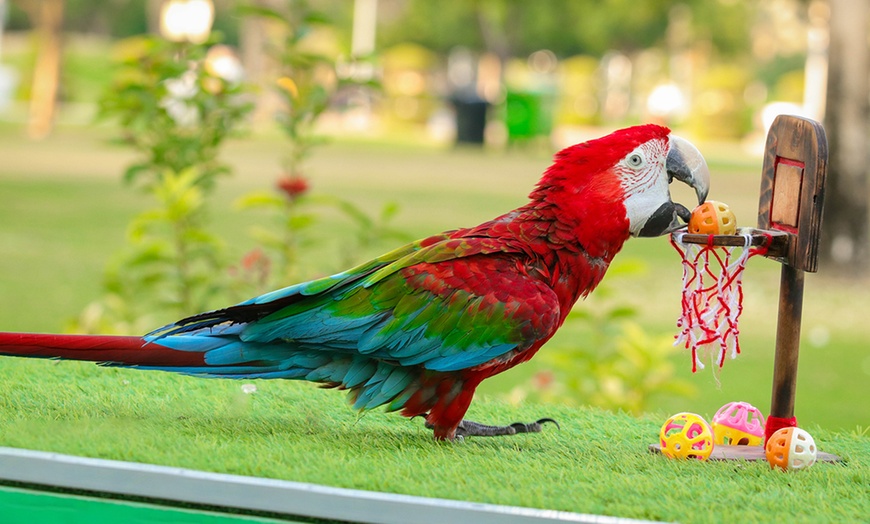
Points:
[(127, 350)]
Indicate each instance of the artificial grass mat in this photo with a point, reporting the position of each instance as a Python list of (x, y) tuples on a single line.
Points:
[(597, 463)]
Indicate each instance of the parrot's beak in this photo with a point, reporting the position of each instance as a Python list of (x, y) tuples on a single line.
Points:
[(686, 164)]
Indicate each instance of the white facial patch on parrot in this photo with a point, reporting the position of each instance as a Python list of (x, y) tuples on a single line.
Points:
[(645, 182)]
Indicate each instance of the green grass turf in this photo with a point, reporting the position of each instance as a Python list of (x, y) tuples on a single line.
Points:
[(597, 463)]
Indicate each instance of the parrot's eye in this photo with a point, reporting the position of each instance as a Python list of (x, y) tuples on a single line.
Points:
[(635, 160)]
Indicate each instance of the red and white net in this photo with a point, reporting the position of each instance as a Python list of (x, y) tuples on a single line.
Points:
[(712, 297)]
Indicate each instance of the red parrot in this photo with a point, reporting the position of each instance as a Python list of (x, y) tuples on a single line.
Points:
[(419, 328)]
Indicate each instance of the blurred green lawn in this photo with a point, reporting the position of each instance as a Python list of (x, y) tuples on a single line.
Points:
[(64, 212)]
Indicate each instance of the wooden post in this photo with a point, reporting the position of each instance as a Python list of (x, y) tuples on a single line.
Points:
[(791, 200), (788, 333)]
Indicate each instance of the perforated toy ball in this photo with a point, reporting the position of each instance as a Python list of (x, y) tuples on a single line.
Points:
[(791, 449), (686, 435), (713, 218), (738, 424)]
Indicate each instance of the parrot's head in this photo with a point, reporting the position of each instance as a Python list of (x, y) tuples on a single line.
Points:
[(623, 179)]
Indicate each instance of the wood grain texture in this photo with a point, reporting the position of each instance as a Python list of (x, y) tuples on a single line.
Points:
[(788, 334), (785, 207), (792, 187)]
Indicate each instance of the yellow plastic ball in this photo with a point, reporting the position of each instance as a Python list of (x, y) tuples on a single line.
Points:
[(727, 435), (713, 218), (686, 436)]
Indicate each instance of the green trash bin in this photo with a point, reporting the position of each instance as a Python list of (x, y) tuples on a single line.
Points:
[(528, 114)]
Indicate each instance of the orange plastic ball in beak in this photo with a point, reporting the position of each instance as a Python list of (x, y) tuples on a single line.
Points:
[(713, 218)]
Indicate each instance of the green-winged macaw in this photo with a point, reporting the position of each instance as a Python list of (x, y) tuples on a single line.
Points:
[(418, 328)]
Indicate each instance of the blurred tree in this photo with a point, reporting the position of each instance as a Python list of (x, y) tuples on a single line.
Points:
[(256, 34), (847, 121), (47, 18), (725, 24), (116, 18), (567, 27), (438, 26), (261, 69)]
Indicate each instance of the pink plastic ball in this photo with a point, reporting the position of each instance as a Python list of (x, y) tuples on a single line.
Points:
[(738, 423)]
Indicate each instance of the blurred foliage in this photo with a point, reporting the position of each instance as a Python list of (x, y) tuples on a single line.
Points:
[(289, 232), (595, 26), (116, 18), (306, 86), (409, 75), (720, 111), (771, 72), (173, 265), (307, 79), (578, 103), (176, 104), (176, 109), (790, 87), (86, 70), (616, 364), (689, 37)]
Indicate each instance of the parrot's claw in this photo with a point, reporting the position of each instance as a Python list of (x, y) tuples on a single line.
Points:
[(533, 427), (468, 428)]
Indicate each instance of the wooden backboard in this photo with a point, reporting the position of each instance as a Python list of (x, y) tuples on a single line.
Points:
[(792, 187)]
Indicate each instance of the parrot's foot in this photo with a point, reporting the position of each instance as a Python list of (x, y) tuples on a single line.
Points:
[(468, 428)]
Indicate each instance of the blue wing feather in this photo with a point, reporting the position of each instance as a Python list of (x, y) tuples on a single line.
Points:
[(369, 329)]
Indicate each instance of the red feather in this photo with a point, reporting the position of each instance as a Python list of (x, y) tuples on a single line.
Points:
[(126, 350)]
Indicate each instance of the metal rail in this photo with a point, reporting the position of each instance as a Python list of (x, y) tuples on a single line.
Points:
[(109, 478)]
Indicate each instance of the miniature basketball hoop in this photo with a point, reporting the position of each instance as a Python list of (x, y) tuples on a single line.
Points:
[(712, 298), (789, 224)]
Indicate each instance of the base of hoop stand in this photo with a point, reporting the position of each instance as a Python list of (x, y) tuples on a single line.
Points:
[(748, 453)]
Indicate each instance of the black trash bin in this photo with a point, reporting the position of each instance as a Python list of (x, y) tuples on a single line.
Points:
[(470, 119)]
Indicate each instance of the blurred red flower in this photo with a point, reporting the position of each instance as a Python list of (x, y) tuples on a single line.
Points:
[(293, 186), (543, 379)]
